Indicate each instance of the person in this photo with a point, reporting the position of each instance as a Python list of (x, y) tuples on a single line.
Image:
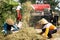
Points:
[(47, 14), (51, 16), (19, 16), (47, 28), (7, 26), (19, 25), (55, 18)]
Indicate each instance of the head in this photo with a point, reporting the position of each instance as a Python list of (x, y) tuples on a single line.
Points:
[(9, 21), (43, 21), (54, 13), (46, 10)]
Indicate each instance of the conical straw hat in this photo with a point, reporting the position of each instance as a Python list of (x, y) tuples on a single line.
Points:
[(43, 21), (9, 21)]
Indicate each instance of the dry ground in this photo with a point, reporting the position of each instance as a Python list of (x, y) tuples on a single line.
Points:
[(56, 36)]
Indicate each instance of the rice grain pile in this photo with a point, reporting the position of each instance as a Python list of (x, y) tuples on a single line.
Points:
[(26, 33)]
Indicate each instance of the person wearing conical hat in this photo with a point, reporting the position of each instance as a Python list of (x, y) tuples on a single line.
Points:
[(7, 26), (47, 28)]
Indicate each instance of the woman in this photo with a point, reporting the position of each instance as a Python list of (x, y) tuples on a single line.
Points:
[(47, 28), (19, 15), (7, 26)]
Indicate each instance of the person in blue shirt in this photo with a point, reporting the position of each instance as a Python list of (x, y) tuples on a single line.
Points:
[(7, 26)]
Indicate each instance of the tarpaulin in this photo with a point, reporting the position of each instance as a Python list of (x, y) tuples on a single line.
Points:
[(40, 7)]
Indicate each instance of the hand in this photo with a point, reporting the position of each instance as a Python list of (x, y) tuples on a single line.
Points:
[(44, 35)]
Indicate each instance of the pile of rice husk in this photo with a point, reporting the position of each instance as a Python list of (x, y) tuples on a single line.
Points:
[(2, 37), (26, 33)]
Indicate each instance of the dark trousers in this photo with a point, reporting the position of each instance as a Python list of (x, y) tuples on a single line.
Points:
[(49, 33), (55, 20)]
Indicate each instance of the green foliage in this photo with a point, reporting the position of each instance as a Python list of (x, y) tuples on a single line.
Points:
[(14, 3), (11, 2), (52, 3), (33, 1), (6, 11), (23, 1)]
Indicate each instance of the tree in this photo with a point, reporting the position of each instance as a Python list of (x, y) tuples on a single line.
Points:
[(23, 1), (6, 11), (52, 4)]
